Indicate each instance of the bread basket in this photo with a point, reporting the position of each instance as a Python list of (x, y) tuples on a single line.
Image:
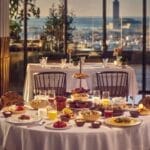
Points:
[(90, 115), (36, 104)]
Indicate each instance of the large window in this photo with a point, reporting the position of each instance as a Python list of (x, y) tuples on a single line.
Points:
[(87, 35), (46, 35), (124, 29), (148, 47)]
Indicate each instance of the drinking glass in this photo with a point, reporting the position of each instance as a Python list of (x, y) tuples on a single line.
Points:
[(42, 112), (51, 98), (52, 114), (43, 61), (105, 95), (105, 61), (96, 96), (63, 63), (108, 113), (105, 98), (82, 60)]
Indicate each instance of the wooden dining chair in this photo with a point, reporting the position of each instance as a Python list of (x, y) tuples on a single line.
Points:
[(11, 98), (46, 81), (116, 82)]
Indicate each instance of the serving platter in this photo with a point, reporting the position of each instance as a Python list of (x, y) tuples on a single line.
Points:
[(131, 121), (50, 126), (145, 112), (14, 119)]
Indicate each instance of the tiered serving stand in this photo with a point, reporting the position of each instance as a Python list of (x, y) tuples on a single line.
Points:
[(80, 75)]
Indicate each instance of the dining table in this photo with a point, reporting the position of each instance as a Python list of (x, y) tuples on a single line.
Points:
[(88, 83), (38, 137)]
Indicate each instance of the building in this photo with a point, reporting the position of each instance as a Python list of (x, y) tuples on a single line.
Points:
[(116, 17)]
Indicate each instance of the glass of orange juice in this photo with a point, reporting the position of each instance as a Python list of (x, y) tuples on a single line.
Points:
[(105, 98), (52, 114)]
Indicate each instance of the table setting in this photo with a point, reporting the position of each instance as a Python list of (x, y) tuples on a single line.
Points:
[(89, 69), (54, 120)]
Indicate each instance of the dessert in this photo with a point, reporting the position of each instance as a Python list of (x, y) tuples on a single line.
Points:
[(19, 108), (7, 114), (68, 111), (80, 104), (80, 75), (146, 102), (80, 122), (90, 115), (134, 113), (11, 98), (143, 110), (60, 124), (24, 117), (15, 109), (96, 124), (65, 117), (80, 94), (36, 104), (122, 120)]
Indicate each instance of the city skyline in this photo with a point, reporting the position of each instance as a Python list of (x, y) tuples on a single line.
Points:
[(94, 7)]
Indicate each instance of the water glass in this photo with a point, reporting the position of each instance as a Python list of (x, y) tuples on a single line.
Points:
[(42, 112), (52, 95), (82, 60), (63, 62), (43, 61), (105, 61), (105, 98), (96, 96), (105, 95)]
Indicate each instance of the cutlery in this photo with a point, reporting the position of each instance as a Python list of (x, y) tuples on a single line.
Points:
[(36, 124)]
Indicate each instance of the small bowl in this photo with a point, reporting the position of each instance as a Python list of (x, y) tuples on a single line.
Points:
[(134, 113), (96, 124), (80, 122), (65, 118), (7, 114)]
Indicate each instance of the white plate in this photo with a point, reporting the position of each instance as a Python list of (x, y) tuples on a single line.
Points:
[(15, 120), (50, 126), (133, 122)]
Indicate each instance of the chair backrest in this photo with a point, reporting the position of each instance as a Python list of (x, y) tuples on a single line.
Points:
[(11, 98), (116, 82), (45, 81)]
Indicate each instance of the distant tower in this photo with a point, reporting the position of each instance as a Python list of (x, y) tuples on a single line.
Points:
[(116, 14)]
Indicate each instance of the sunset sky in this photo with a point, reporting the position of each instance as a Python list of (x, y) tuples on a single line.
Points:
[(94, 7)]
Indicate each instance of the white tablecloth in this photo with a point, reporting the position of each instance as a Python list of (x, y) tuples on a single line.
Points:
[(13, 137), (88, 83)]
